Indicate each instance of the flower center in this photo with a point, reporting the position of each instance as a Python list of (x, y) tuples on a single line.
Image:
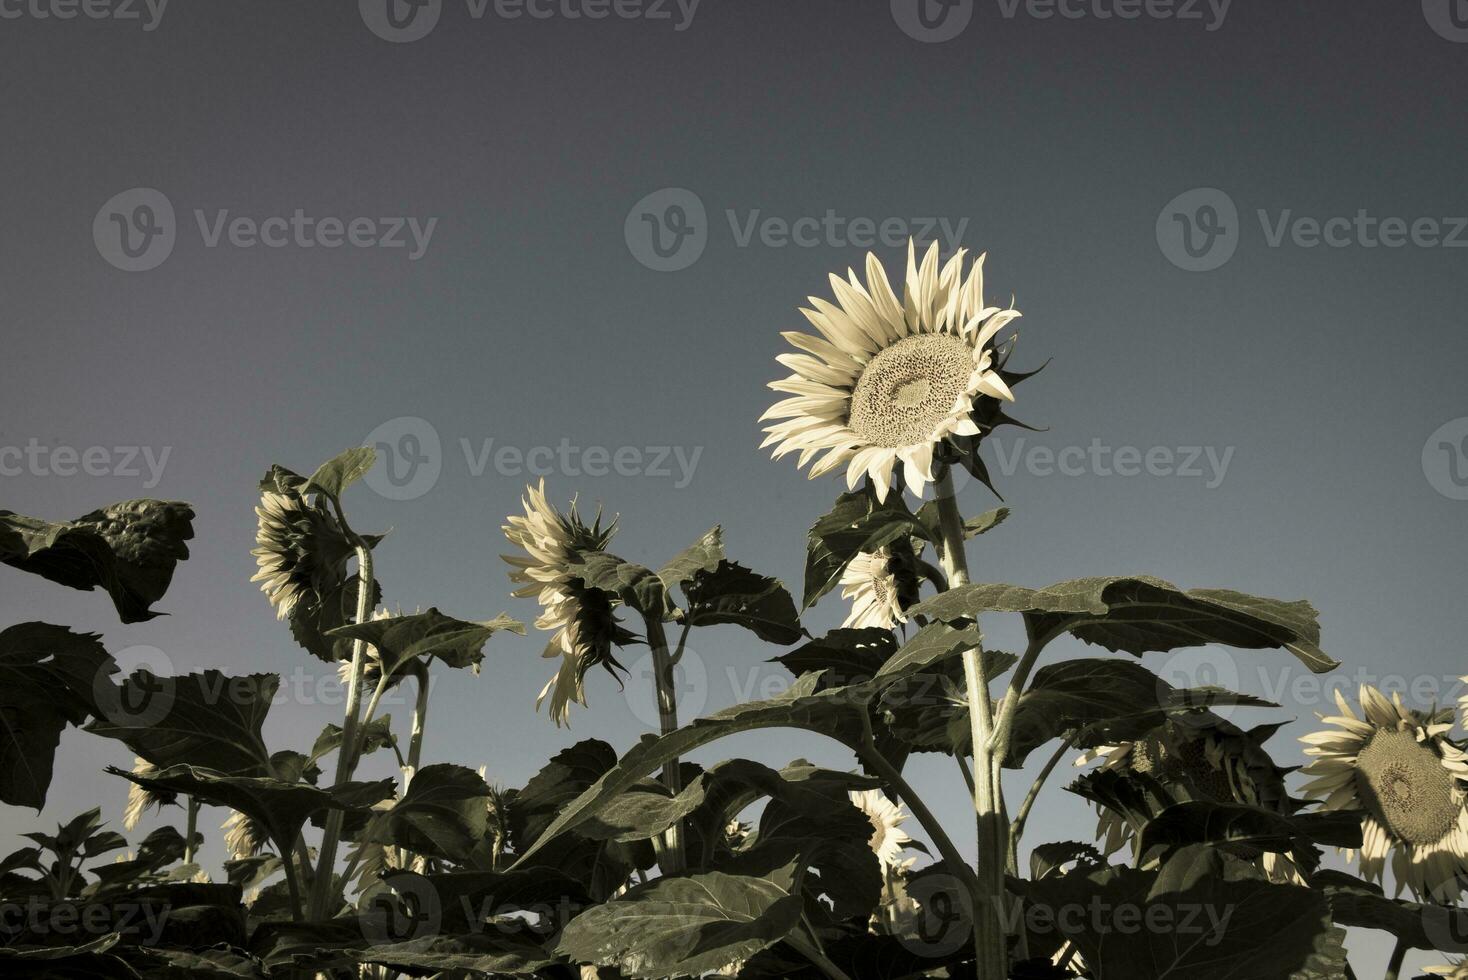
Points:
[(908, 390), (1405, 786)]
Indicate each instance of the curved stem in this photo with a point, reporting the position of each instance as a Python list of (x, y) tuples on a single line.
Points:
[(415, 740), (346, 761), (662, 665), (1017, 829)]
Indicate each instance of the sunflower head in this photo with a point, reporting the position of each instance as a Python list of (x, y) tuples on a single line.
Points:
[(1453, 971), (892, 381), (888, 838), (580, 618), (1398, 767), (300, 549), (139, 798)]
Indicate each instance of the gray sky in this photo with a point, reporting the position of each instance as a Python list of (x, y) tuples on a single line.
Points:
[(493, 275)]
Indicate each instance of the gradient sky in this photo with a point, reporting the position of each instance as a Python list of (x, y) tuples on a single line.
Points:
[(1056, 144)]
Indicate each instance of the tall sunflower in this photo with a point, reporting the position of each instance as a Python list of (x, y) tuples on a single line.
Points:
[(301, 550), (1398, 767), (581, 618), (888, 380)]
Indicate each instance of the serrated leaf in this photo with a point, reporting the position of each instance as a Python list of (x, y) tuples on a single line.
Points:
[(856, 524), (443, 814), (704, 554), (846, 655), (938, 642), (731, 593), (129, 548), (639, 588), (400, 639), (682, 926), (335, 475)]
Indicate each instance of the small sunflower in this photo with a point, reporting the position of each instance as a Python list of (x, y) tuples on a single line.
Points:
[(580, 617), (872, 586), (1398, 767), (1453, 971), (243, 836), (301, 551), (889, 380), (888, 838), (139, 799)]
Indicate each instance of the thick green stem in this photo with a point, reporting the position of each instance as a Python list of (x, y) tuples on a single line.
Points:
[(190, 829), (415, 741), (990, 943), (662, 665), (1399, 956), (346, 761)]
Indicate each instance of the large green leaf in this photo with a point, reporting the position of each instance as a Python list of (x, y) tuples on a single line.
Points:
[(1142, 615), (704, 554), (846, 655), (1360, 904), (640, 588), (731, 593), (400, 639), (130, 549), (49, 677), (1251, 828), (858, 523), (336, 474), (208, 720), (936, 643), (1204, 920), (682, 926), (443, 814), (302, 948)]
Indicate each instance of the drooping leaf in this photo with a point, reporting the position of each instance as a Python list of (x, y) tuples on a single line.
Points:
[(1363, 905), (336, 474), (375, 735), (1252, 827), (640, 588), (936, 643), (845, 655), (858, 523), (442, 814), (49, 677), (399, 639), (703, 555), (1141, 615), (731, 593), (972, 528), (130, 549), (682, 926)]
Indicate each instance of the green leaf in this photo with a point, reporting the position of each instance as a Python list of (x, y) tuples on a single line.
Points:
[(443, 814), (972, 528), (48, 680), (846, 655), (731, 593), (1141, 615), (836, 713), (130, 549), (1254, 828), (640, 588), (936, 643), (281, 808), (399, 639), (335, 475), (1360, 904), (682, 926), (208, 720), (703, 555), (376, 734), (858, 523)]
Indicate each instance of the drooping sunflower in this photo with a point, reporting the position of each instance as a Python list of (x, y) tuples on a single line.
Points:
[(301, 550), (1453, 971), (581, 618), (1197, 757), (1398, 767), (888, 838), (872, 586), (888, 380), (139, 799)]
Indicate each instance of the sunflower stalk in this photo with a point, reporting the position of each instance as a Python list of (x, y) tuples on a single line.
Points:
[(190, 829), (662, 664), (992, 830), (415, 742), (346, 760)]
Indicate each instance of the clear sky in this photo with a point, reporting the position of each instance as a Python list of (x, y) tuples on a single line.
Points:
[(1301, 397)]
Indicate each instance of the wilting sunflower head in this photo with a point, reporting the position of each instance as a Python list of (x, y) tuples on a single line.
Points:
[(1453, 971), (870, 582), (581, 618), (887, 381), (139, 798), (301, 550), (888, 838), (1398, 768)]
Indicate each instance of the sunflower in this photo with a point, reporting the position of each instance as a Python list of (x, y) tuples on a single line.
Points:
[(580, 617), (1453, 971), (139, 799), (888, 838), (1397, 767), (871, 585), (1198, 758), (301, 551), (887, 381)]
